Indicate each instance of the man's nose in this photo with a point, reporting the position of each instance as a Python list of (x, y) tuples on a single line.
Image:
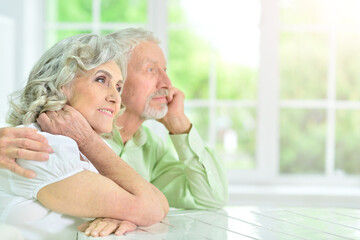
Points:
[(164, 80)]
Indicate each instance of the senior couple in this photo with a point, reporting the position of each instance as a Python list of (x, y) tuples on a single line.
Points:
[(78, 150)]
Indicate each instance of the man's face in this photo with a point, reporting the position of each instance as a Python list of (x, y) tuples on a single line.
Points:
[(147, 83)]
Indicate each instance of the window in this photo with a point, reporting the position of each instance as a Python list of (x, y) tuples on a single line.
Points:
[(69, 17), (214, 59), (318, 46), (272, 85)]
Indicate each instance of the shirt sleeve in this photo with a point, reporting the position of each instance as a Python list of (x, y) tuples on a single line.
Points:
[(63, 162), (192, 176)]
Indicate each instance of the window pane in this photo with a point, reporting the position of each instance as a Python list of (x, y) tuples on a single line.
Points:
[(199, 116), (176, 13), (348, 12), (302, 141), (238, 57), (304, 11), (189, 60), (236, 81), (57, 35), (124, 11), (347, 141), (303, 65), (231, 55), (348, 62), (235, 137), (80, 11)]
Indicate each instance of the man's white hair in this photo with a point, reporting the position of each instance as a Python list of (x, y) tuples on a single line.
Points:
[(129, 38)]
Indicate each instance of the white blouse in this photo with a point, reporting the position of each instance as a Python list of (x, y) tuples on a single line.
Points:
[(18, 195)]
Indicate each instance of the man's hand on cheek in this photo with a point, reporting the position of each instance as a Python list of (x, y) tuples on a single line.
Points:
[(68, 122), (175, 119)]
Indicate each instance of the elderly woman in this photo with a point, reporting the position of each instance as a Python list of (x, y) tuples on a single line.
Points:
[(84, 72)]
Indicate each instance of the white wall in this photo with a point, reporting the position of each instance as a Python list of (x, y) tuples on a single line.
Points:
[(21, 44), (7, 63)]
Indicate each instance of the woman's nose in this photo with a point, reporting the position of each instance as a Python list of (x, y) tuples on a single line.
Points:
[(114, 95)]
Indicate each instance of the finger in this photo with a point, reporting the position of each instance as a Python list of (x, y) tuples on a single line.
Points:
[(14, 167), (24, 132), (27, 154), (31, 145), (172, 94), (91, 226), (67, 108), (100, 226), (83, 226), (108, 229), (44, 122), (52, 115), (125, 227)]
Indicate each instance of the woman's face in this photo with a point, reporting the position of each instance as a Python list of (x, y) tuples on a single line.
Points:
[(96, 95)]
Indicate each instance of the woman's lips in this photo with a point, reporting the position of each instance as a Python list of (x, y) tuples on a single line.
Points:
[(107, 112)]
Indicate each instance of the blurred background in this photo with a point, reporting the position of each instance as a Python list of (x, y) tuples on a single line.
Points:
[(272, 85)]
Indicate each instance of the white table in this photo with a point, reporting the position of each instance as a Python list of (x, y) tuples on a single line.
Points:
[(251, 223)]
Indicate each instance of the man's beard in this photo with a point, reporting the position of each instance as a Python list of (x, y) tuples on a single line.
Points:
[(154, 113)]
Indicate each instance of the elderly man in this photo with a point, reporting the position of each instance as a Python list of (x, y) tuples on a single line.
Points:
[(191, 177)]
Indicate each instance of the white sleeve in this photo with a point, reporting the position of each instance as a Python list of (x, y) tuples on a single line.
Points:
[(63, 163)]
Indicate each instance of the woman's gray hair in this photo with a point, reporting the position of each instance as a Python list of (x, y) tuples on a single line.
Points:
[(58, 66), (129, 38)]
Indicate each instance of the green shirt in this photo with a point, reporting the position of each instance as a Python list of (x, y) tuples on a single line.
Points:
[(189, 174)]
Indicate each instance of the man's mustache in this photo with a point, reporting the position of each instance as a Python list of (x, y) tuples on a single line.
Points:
[(161, 92)]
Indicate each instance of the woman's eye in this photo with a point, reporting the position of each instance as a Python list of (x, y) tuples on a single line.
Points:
[(100, 79), (118, 88), (150, 69)]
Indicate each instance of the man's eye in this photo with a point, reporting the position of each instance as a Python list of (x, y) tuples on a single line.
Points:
[(118, 88), (150, 69)]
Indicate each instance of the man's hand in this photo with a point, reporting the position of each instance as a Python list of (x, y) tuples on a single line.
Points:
[(105, 226), (23, 143), (175, 119), (67, 122)]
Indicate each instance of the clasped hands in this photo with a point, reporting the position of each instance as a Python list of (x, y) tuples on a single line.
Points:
[(101, 227)]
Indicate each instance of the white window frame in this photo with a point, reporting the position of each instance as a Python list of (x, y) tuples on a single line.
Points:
[(267, 105)]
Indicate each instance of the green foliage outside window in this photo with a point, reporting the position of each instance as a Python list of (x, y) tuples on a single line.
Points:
[(303, 65), (129, 11), (302, 141), (236, 81), (189, 63), (74, 11), (236, 123), (347, 141), (348, 64), (175, 12)]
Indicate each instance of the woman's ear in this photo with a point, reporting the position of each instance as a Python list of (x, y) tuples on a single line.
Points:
[(66, 89)]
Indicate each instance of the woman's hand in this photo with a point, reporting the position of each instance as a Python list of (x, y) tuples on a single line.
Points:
[(101, 227), (67, 122)]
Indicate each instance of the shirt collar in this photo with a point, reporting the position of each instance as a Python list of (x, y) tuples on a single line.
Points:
[(137, 140)]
